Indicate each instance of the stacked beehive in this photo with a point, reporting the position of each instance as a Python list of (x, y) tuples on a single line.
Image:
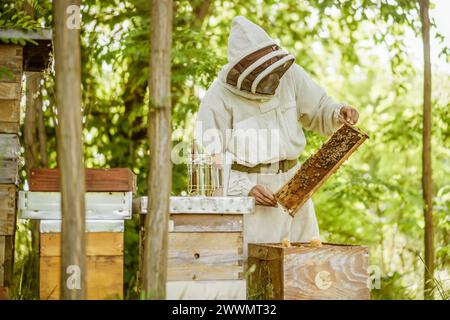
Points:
[(206, 246), (10, 92), (108, 202)]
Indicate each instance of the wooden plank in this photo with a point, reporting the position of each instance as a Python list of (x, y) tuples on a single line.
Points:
[(10, 111), (344, 267), (41, 34), (11, 56), (9, 127), (266, 279), (104, 277), (97, 244), (4, 293), (2, 260), (207, 290), (9, 146), (11, 59), (205, 256), (97, 180), (6, 260), (10, 90), (319, 167), (11, 76), (206, 222), (8, 195), (8, 51), (305, 272), (9, 171)]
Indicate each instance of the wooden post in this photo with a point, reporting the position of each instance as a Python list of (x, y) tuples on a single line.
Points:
[(427, 175), (70, 156), (154, 275)]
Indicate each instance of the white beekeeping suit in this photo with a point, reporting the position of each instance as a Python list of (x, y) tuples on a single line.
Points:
[(233, 105)]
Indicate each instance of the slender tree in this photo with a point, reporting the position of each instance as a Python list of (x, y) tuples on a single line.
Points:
[(427, 181), (160, 170), (69, 146), (31, 144)]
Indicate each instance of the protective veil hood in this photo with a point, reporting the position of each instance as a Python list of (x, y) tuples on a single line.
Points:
[(245, 39)]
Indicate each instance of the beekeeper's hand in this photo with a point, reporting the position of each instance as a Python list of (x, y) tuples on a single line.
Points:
[(263, 196), (349, 114)]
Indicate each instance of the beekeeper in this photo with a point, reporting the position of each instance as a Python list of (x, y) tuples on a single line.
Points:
[(252, 119)]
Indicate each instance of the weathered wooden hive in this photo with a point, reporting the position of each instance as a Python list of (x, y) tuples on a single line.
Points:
[(108, 203), (319, 167), (306, 272), (11, 63), (14, 60), (206, 246)]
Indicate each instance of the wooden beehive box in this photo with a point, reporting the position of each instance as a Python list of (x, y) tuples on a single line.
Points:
[(205, 246), (111, 179), (11, 61), (9, 158), (9, 154), (105, 214), (14, 59), (6, 260), (8, 194), (104, 259), (305, 272), (319, 167)]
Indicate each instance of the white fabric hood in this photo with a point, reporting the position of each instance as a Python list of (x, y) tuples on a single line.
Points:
[(245, 38)]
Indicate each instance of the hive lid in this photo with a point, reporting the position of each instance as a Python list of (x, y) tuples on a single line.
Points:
[(9, 146), (99, 205), (97, 180), (202, 205)]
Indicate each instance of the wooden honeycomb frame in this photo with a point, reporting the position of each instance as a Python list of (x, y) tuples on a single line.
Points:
[(319, 167)]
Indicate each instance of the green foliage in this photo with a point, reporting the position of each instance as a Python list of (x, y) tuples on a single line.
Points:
[(355, 49), (13, 16)]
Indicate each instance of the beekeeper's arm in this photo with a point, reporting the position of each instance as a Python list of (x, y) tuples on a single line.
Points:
[(317, 111), (213, 131)]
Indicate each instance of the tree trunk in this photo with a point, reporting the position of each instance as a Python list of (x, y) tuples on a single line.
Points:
[(31, 154), (426, 154), (30, 125), (32, 110), (69, 144), (153, 280), (42, 135)]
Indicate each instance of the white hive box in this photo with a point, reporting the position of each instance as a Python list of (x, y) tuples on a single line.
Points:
[(206, 246)]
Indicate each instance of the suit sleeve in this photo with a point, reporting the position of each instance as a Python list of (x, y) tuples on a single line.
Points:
[(317, 111)]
